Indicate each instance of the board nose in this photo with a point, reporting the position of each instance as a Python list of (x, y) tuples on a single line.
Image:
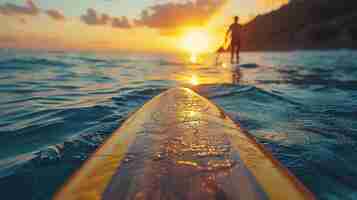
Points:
[(180, 145)]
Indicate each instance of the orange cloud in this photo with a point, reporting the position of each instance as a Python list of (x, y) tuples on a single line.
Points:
[(121, 22), (55, 14), (171, 16)]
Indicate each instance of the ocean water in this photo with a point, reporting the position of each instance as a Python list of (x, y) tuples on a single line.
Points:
[(56, 108)]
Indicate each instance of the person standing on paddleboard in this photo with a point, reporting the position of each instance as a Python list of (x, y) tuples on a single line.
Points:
[(235, 33)]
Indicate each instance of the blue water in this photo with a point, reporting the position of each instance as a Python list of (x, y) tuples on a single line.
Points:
[(57, 107)]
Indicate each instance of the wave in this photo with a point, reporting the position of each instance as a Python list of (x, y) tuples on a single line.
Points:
[(220, 90), (100, 61), (134, 96), (23, 62), (215, 91), (74, 149), (92, 60), (172, 63), (315, 80)]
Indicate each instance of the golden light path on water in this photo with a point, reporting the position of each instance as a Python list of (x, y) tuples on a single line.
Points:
[(201, 66), (193, 58), (201, 69), (194, 80)]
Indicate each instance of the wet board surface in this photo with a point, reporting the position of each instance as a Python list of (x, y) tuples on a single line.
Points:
[(179, 146)]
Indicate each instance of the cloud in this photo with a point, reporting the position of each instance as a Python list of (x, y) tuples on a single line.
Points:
[(55, 14), (121, 22), (29, 9), (12, 9), (172, 15), (92, 17)]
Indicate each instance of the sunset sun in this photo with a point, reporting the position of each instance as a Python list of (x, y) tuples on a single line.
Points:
[(195, 41)]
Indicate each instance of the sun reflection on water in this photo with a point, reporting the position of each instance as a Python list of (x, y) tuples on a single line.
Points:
[(224, 65), (193, 58), (194, 80)]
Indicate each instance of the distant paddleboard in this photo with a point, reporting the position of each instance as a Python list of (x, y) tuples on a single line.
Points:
[(249, 65), (179, 145)]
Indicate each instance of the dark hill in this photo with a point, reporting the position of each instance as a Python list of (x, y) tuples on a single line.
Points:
[(304, 24)]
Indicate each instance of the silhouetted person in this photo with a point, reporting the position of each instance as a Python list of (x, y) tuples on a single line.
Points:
[(235, 31)]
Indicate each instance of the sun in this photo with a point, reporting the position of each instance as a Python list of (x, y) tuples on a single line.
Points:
[(195, 41)]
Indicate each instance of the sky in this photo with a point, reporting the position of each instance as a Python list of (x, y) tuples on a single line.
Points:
[(124, 25)]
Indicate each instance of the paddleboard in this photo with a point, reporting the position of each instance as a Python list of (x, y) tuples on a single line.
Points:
[(180, 145)]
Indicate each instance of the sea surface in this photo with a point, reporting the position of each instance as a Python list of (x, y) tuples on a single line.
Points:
[(56, 108)]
